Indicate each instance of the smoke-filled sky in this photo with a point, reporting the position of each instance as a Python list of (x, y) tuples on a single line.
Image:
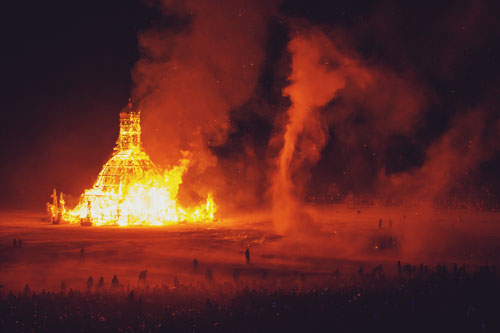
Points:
[(277, 101)]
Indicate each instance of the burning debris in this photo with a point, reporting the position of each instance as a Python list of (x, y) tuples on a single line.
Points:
[(131, 189), (55, 210)]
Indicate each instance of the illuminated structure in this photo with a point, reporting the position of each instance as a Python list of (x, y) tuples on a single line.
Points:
[(131, 190), (129, 161)]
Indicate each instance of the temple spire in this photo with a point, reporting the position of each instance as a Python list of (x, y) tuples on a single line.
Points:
[(130, 129)]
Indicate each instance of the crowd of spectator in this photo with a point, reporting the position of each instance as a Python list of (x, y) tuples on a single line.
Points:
[(415, 299)]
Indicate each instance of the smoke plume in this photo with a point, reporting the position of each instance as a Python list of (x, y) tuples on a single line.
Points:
[(194, 69), (348, 122)]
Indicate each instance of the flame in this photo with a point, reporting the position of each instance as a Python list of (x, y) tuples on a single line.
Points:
[(131, 190)]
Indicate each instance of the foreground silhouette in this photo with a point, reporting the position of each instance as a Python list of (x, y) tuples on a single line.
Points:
[(415, 299)]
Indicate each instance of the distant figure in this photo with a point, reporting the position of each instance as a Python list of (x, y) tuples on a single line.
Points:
[(195, 265), (390, 224), (378, 270), (209, 275), (236, 275), (247, 256), (20, 243), (82, 255), (143, 275), (63, 287), (380, 223), (360, 270), (100, 284), (176, 282), (27, 290), (114, 282), (399, 266), (15, 243), (90, 283), (264, 275)]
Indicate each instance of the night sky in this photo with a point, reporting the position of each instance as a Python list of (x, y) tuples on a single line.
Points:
[(68, 69)]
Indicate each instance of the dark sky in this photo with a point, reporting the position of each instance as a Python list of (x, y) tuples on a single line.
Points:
[(66, 74)]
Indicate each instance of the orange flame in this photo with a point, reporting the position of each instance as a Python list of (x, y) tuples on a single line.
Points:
[(131, 190)]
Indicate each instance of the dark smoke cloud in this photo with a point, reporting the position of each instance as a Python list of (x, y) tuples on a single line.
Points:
[(468, 142), (429, 77), (397, 111), (192, 74)]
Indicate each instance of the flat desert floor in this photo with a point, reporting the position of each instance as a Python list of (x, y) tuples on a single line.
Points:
[(335, 238)]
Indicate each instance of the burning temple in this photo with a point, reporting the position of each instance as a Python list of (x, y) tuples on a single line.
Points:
[(130, 189), (128, 163)]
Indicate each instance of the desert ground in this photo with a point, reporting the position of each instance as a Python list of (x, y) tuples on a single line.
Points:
[(340, 237)]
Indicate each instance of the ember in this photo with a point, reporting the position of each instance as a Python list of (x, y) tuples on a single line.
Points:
[(131, 189)]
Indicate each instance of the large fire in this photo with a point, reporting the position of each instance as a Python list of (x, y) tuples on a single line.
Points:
[(131, 190)]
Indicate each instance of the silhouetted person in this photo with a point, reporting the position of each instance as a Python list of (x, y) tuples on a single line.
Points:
[(27, 290), (63, 287), (399, 266), (100, 284), (114, 282), (247, 256), (195, 265), (90, 283), (131, 296), (82, 255), (14, 243), (20, 243), (236, 276), (377, 270), (380, 223), (209, 275), (143, 275), (360, 270)]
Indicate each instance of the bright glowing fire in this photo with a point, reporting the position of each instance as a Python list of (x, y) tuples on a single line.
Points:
[(131, 190)]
